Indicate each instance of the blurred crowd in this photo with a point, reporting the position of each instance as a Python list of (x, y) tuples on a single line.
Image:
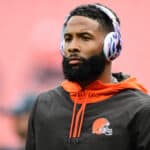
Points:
[(20, 114), (42, 75)]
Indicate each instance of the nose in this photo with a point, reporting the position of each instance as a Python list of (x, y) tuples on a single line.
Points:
[(73, 46)]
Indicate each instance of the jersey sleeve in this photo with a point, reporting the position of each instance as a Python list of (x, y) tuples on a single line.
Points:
[(141, 128)]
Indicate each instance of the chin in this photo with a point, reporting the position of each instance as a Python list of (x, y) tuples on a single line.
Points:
[(88, 70)]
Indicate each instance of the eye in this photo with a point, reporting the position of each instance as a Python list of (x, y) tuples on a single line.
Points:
[(86, 38), (68, 38)]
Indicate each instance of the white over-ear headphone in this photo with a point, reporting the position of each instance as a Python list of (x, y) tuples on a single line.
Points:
[(112, 42)]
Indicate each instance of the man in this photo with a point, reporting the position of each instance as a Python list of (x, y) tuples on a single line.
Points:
[(92, 108)]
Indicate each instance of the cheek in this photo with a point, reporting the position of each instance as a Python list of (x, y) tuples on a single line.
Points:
[(92, 49)]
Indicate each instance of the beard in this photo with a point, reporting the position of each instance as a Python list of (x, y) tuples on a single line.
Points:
[(87, 71)]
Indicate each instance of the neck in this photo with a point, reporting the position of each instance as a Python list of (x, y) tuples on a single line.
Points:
[(106, 76)]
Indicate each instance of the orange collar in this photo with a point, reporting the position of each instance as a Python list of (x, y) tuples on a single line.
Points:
[(98, 91)]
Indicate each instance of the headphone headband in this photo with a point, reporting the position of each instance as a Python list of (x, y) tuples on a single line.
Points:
[(111, 16)]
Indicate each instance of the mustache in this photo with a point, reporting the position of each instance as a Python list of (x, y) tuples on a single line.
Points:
[(74, 56)]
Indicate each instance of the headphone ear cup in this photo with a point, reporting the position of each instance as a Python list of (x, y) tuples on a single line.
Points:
[(62, 47), (112, 45)]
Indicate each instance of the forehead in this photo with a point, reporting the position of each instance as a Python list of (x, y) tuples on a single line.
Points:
[(81, 24)]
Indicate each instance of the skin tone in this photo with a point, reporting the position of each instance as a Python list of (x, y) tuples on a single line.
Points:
[(83, 38), (21, 124)]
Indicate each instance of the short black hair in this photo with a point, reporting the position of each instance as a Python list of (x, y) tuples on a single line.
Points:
[(93, 12)]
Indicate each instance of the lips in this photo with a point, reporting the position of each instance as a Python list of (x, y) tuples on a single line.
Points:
[(74, 60)]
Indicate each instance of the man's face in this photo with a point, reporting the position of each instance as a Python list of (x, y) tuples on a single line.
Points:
[(83, 55)]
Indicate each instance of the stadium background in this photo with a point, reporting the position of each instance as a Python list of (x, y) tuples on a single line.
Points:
[(30, 60)]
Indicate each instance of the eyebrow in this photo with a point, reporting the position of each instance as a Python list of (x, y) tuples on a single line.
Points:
[(84, 33), (80, 33)]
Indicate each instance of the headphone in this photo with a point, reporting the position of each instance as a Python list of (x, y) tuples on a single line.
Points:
[(112, 42)]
